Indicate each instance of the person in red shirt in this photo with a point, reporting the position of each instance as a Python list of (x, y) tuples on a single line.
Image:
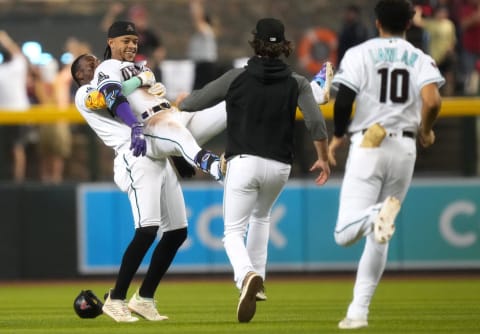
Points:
[(470, 25)]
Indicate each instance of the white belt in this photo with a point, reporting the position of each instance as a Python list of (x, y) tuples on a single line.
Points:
[(153, 110)]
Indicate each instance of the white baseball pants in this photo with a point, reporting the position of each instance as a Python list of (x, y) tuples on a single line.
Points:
[(371, 175), (252, 185)]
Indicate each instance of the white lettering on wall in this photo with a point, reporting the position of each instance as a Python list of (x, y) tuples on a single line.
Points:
[(447, 228)]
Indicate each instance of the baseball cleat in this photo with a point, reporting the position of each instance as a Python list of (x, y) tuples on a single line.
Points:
[(348, 323), (209, 162), (247, 305), (117, 309), (384, 224), (145, 307), (324, 79)]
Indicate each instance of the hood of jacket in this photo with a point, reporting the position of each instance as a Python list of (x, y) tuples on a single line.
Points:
[(268, 70)]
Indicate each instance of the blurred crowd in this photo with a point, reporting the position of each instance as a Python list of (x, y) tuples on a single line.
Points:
[(448, 30)]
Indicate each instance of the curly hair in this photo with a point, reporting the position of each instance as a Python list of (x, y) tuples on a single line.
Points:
[(271, 50)]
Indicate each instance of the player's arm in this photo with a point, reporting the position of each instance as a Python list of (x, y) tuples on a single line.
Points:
[(431, 103), (315, 123), (342, 111), (118, 105), (96, 100), (211, 94)]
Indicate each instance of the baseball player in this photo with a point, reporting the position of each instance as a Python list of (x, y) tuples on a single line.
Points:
[(153, 188), (160, 181), (175, 138), (395, 86), (261, 100)]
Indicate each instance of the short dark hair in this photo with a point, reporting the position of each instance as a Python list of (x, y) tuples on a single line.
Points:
[(394, 16), (75, 68)]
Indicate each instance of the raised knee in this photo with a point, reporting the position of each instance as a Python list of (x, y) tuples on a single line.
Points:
[(342, 240)]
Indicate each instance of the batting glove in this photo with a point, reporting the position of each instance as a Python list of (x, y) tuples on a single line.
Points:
[(158, 89), (147, 78), (138, 143)]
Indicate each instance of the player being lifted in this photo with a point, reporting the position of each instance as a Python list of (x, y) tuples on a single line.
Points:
[(395, 86), (140, 111)]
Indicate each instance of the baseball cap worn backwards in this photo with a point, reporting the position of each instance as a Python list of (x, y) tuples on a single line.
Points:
[(121, 28), (270, 30)]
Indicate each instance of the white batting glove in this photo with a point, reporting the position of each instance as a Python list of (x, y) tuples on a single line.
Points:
[(157, 89), (147, 78)]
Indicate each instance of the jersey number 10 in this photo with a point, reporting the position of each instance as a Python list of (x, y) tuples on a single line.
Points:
[(396, 86)]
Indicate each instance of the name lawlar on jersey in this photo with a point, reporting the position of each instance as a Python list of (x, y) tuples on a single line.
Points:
[(392, 55)]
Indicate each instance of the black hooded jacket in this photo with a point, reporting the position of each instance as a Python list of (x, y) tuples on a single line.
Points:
[(261, 105), (261, 101)]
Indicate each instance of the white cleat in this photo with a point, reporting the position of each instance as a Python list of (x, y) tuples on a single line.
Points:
[(247, 305), (145, 307), (117, 309), (348, 323), (384, 224)]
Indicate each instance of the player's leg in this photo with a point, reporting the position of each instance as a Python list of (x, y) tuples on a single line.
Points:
[(204, 124), (276, 176), (240, 195), (174, 226), (142, 174), (401, 160), (166, 136), (359, 194)]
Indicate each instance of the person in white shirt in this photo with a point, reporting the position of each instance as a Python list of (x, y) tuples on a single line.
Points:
[(395, 88), (13, 97)]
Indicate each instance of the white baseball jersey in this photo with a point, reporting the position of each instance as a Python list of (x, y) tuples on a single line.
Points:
[(116, 71), (387, 74), (112, 131)]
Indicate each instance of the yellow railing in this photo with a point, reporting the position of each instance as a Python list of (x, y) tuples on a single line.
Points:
[(41, 114)]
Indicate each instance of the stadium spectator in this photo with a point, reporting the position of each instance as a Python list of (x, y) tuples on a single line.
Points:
[(470, 25), (353, 31), (442, 43), (14, 97), (202, 47), (416, 34)]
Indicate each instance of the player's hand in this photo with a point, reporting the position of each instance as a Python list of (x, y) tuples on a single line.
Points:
[(157, 89), (180, 97), (426, 138), (324, 168), (138, 143), (147, 78), (335, 143)]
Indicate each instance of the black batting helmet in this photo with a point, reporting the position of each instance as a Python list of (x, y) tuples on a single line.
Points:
[(87, 305)]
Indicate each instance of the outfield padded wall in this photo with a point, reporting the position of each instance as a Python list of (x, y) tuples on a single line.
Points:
[(37, 232)]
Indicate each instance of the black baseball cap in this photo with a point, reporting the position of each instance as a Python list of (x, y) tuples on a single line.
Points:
[(122, 28), (270, 30)]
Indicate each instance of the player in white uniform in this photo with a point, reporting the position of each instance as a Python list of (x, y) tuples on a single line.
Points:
[(395, 86), (153, 188), (145, 113)]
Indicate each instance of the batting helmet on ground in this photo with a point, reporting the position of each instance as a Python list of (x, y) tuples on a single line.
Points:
[(87, 305)]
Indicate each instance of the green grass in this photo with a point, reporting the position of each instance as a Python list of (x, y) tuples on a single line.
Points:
[(294, 306)]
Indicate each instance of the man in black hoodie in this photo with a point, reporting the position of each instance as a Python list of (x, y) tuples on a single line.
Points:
[(261, 101)]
